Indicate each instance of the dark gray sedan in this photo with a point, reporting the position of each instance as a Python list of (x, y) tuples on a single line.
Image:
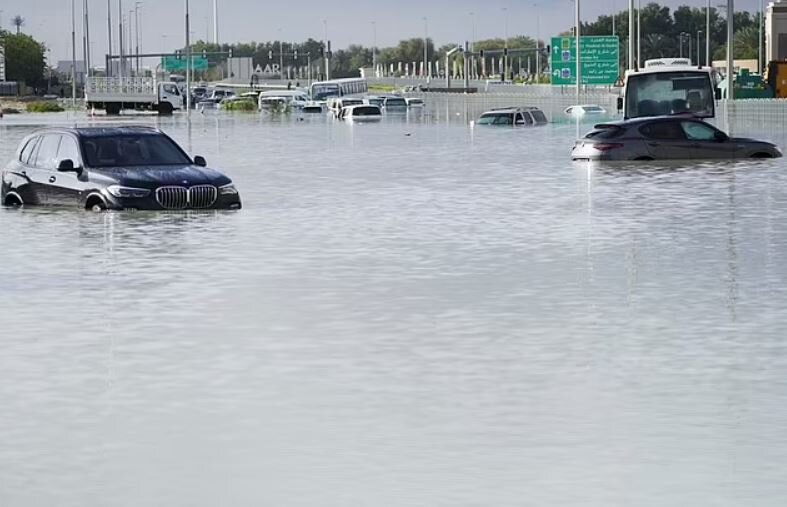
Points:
[(666, 138)]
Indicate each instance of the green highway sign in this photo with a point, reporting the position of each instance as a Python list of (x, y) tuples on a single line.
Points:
[(174, 64), (600, 60)]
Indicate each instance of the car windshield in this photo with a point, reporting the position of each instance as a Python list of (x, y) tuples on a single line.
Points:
[(132, 150), (665, 93), (395, 102)]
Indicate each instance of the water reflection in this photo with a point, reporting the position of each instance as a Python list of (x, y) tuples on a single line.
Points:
[(410, 302)]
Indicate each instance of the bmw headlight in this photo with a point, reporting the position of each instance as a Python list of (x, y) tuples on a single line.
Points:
[(228, 190), (127, 192)]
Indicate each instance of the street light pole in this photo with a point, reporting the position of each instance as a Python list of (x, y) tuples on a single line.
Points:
[(505, 45), (579, 55), (136, 25), (730, 47), (538, 44), (120, 37), (73, 55), (639, 35), (426, 49), (374, 48), (631, 35), (699, 60), (760, 64), (188, 61), (707, 35), (215, 22), (109, 37)]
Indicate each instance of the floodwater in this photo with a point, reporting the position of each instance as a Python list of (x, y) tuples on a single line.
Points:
[(413, 313)]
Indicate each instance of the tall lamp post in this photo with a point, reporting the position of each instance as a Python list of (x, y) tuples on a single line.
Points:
[(631, 35), (374, 48), (707, 35), (538, 43), (426, 49), (579, 54), (505, 45), (730, 48), (699, 59), (73, 55), (188, 61)]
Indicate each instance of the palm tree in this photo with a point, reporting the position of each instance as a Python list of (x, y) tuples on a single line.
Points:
[(18, 21)]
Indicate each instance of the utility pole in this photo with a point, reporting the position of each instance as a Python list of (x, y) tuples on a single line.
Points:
[(639, 35), (109, 37), (538, 44), (216, 22), (505, 45), (84, 33), (761, 63), (699, 60), (730, 54), (327, 52), (136, 27), (120, 38), (426, 49), (579, 55), (87, 39), (707, 35), (614, 11), (188, 62), (73, 55), (631, 34), (374, 48)]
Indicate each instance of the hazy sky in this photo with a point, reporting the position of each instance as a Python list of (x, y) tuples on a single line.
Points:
[(349, 21)]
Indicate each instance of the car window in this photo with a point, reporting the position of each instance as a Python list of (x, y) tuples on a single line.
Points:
[(697, 131), (539, 116), (505, 119), (68, 151), (665, 130), (46, 154), (132, 150), (24, 157), (605, 132), (487, 119)]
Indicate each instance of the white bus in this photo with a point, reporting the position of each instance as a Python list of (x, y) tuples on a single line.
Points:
[(669, 86), (323, 90)]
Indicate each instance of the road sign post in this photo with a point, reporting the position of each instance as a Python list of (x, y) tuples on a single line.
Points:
[(600, 60)]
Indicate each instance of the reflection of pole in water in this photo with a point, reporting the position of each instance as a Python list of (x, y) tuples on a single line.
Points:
[(732, 250)]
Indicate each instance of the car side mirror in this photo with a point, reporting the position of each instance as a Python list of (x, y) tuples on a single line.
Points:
[(720, 136), (200, 161), (717, 93), (67, 166), (620, 104)]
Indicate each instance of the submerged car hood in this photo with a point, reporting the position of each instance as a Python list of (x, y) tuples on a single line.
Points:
[(156, 176)]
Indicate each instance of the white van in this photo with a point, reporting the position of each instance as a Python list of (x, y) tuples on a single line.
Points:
[(361, 113)]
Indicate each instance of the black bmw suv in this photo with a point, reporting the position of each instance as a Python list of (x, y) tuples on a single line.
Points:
[(121, 168)]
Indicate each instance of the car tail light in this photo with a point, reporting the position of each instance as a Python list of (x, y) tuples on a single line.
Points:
[(607, 146)]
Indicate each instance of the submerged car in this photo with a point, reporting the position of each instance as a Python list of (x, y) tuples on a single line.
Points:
[(363, 113), (666, 138), (585, 110), (121, 168), (513, 116)]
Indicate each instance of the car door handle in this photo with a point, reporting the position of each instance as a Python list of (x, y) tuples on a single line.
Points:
[(52, 179)]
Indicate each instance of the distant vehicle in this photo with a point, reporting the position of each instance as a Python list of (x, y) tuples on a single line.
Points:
[(324, 90), (374, 100), (114, 94), (335, 105), (514, 117), (585, 110), (313, 107), (198, 93), (665, 138), (295, 99), (669, 86), (394, 103), (118, 168), (216, 96), (361, 113), (415, 102)]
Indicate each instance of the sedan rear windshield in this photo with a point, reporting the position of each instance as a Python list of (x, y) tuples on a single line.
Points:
[(366, 111), (605, 132), (132, 150)]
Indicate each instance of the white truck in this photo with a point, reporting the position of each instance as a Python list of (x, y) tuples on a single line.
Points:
[(668, 86), (113, 94)]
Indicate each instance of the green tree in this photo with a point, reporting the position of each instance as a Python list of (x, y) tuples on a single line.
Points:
[(24, 58)]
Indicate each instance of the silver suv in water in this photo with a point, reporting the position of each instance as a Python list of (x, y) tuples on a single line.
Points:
[(513, 117)]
